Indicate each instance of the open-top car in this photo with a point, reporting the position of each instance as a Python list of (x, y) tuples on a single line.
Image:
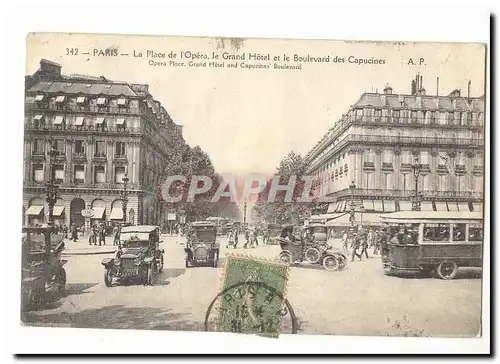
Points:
[(138, 256), (202, 246), (43, 274)]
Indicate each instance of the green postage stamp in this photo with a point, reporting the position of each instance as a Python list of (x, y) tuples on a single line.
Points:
[(252, 296)]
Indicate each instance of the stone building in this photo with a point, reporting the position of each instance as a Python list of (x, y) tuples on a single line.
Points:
[(102, 130), (379, 139)]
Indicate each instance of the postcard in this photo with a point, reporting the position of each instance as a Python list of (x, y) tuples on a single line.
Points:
[(254, 186)]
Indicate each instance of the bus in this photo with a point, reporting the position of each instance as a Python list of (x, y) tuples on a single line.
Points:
[(427, 241)]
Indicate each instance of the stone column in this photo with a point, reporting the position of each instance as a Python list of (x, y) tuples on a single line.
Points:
[(469, 177), (68, 173), (89, 152), (109, 157), (378, 169), (359, 168), (434, 175), (397, 173)]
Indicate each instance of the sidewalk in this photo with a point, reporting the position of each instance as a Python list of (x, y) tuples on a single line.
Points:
[(82, 247)]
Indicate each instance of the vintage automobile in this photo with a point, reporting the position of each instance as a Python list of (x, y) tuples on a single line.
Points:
[(423, 241), (138, 256), (43, 275), (309, 243), (202, 246)]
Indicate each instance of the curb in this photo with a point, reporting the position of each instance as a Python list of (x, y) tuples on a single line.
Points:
[(88, 253)]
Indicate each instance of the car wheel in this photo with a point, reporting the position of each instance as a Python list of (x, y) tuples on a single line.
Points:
[(160, 269), (312, 255), (108, 277), (216, 259), (286, 258), (447, 270), (330, 263)]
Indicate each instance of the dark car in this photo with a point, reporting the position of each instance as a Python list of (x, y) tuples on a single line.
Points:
[(43, 275), (138, 256), (202, 247)]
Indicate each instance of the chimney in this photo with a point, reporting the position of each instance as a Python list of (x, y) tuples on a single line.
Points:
[(421, 84), (50, 68), (388, 90), (468, 90), (437, 86)]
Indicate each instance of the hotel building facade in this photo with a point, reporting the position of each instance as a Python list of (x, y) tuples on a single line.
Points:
[(102, 131), (376, 142)]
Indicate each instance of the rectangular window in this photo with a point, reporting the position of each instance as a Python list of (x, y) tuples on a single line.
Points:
[(459, 232), (119, 174), (80, 147), (60, 146), (476, 233), (436, 233), (79, 174), (80, 100), (38, 147), (413, 116), (432, 117), (100, 148), (59, 173), (101, 101), (38, 173), (120, 149), (100, 174), (122, 102), (378, 114), (387, 156), (79, 121)]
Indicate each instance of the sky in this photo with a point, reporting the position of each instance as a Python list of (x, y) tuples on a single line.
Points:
[(248, 119)]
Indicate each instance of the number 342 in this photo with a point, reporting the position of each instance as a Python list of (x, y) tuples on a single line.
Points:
[(71, 51)]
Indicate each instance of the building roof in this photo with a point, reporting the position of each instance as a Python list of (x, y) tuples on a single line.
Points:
[(427, 102), (70, 87)]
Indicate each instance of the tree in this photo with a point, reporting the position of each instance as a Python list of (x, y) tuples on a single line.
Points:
[(281, 211)]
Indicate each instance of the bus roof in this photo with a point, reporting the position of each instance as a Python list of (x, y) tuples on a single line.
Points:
[(138, 229), (408, 217)]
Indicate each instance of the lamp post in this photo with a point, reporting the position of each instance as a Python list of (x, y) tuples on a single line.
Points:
[(245, 212), (352, 206), (417, 197), (124, 197), (52, 188)]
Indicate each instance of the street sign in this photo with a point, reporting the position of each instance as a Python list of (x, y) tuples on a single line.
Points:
[(171, 217), (87, 213)]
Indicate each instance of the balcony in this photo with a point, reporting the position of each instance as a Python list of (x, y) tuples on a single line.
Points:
[(413, 121), (82, 108), (368, 166), (460, 169), (429, 194), (426, 168), (406, 166), (79, 157), (478, 170), (99, 157), (387, 167), (442, 169), (121, 158), (31, 126)]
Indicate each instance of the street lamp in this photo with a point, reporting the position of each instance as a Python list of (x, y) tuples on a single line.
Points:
[(352, 206), (417, 197), (124, 197), (245, 212), (52, 188)]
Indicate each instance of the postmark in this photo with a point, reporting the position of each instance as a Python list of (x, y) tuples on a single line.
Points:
[(252, 296)]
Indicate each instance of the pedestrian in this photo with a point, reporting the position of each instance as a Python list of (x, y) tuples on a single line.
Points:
[(102, 235), (356, 247), (364, 245), (247, 237), (116, 240), (230, 237), (65, 231), (91, 236), (255, 236), (345, 241), (74, 233), (236, 233)]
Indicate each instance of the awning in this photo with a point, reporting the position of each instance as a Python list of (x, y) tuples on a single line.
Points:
[(101, 101), (452, 206), (80, 99), (441, 206), (389, 206), (98, 212), (99, 121), (370, 218), (38, 117), (463, 207), (426, 206), (58, 210), (120, 121), (122, 101), (34, 210), (478, 206), (342, 220), (116, 214), (379, 206), (79, 120), (58, 120), (332, 208), (38, 97), (404, 206), (60, 98), (368, 205)]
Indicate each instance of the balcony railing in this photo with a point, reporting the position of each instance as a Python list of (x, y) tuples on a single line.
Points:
[(419, 121), (83, 184), (84, 128), (402, 141), (80, 108), (358, 192)]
